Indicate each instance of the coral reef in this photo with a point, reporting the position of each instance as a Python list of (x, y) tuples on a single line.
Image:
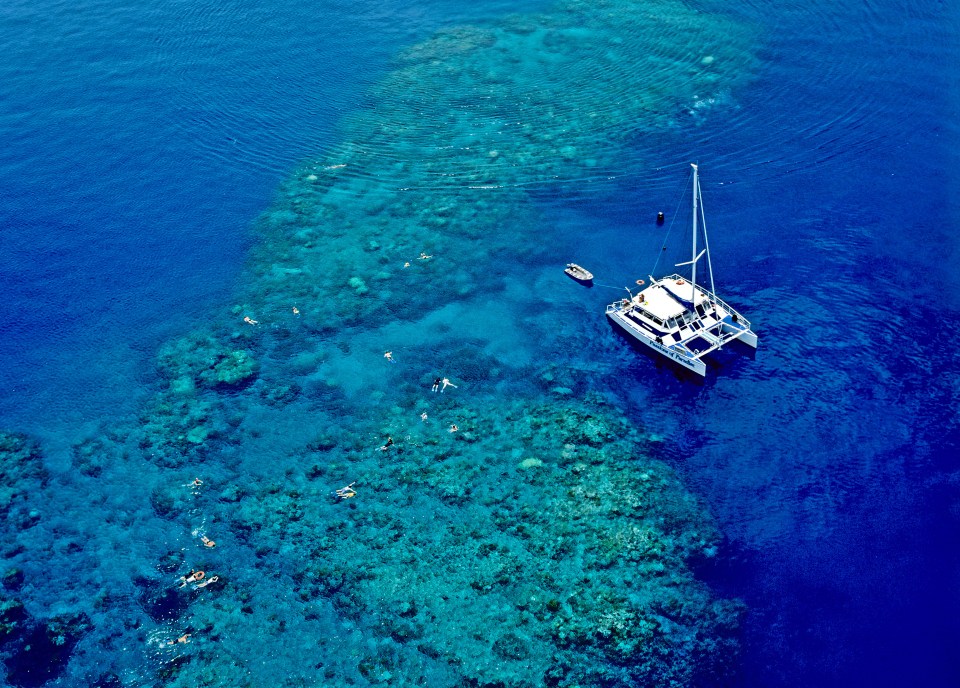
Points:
[(202, 360), (21, 470), (12, 616), (519, 103), (503, 568), (34, 650), (536, 544), (41, 651), (509, 531)]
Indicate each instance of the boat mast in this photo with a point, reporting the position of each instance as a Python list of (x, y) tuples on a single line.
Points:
[(706, 246), (693, 256)]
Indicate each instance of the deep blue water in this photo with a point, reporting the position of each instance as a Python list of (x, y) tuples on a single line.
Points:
[(141, 141)]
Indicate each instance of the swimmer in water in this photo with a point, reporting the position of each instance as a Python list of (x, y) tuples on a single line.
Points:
[(211, 579), (192, 577), (347, 492)]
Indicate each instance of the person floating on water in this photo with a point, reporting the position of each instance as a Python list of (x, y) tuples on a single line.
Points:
[(196, 483), (296, 311), (424, 256), (250, 321), (454, 428), (447, 383), (389, 356), (436, 384), (423, 416), (347, 492), (207, 542), (209, 581), (192, 577), (185, 638), (387, 444)]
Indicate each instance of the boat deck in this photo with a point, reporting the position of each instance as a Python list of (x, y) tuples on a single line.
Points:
[(663, 317)]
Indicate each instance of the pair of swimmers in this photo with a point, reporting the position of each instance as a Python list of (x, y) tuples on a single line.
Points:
[(442, 381), (422, 256)]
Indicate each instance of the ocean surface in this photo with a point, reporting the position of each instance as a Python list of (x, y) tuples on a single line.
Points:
[(217, 217)]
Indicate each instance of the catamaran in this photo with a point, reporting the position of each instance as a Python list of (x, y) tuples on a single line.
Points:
[(678, 318)]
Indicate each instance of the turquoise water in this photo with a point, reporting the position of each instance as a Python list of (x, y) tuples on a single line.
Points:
[(220, 219)]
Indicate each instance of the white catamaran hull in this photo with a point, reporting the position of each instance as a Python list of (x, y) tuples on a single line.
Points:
[(694, 364), (748, 337)]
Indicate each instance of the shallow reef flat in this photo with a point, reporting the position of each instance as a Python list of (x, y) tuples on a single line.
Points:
[(538, 544), (511, 530), (535, 544)]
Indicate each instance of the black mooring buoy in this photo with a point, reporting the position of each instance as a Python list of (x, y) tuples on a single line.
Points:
[(660, 218)]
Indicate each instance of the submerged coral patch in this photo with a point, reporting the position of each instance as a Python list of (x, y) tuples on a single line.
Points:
[(22, 473), (587, 555)]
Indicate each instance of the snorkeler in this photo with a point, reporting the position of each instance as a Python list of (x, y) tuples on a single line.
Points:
[(192, 577), (347, 492), (211, 579)]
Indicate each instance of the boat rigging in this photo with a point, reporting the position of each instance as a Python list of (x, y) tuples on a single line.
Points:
[(678, 318)]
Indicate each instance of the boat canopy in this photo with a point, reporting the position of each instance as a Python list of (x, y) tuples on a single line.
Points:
[(683, 291), (657, 301)]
